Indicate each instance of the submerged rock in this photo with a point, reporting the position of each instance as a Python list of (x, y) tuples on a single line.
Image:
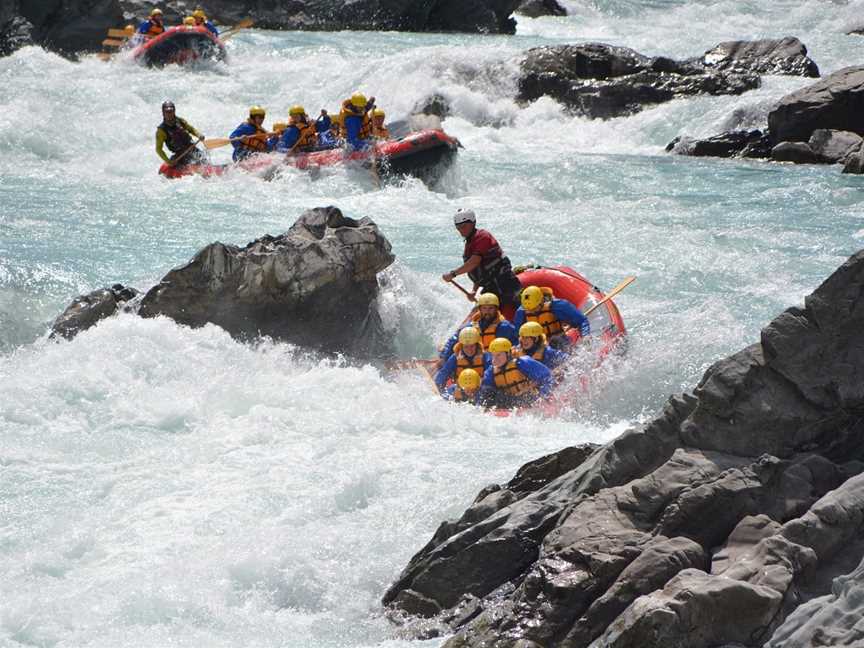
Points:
[(85, 311), (707, 527), (315, 286), (537, 8)]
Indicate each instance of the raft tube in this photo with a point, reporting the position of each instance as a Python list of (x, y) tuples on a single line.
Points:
[(423, 154), (181, 45)]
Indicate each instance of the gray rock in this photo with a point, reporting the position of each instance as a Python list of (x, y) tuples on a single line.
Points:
[(797, 152), (834, 146), (752, 143), (537, 8), (87, 310), (835, 102), (786, 56), (314, 286), (854, 163), (603, 81)]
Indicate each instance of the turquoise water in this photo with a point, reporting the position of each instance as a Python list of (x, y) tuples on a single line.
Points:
[(168, 486)]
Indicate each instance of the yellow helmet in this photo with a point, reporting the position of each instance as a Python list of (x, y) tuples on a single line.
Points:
[(358, 100), (531, 298), (469, 335), (296, 110), (378, 113), (199, 13), (255, 111), (188, 20), (156, 12), (469, 380), (531, 329), (488, 299), (500, 345), (279, 127)]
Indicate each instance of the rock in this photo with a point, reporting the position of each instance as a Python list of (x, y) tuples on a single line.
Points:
[(314, 286), (71, 26), (735, 143), (85, 311), (537, 8), (786, 56), (854, 163), (15, 33), (834, 146), (707, 527), (797, 152), (604, 81), (835, 102)]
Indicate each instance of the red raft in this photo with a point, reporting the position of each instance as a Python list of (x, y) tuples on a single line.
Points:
[(423, 154), (181, 45), (607, 326)]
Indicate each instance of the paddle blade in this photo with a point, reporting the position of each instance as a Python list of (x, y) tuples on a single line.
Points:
[(617, 289), (243, 24), (110, 42), (119, 33), (216, 142)]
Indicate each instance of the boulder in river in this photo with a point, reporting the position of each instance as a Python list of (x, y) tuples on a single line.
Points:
[(315, 286), (709, 526), (785, 56), (87, 310), (537, 8)]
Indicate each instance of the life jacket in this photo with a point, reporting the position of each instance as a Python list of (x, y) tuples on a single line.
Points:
[(464, 362), (490, 332), (488, 263), (308, 139), (255, 143), (380, 133), (461, 396), (511, 381), (154, 29), (547, 319), (349, 110), (537, 354), (178, 138)]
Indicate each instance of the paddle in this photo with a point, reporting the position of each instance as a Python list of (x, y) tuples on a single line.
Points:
[(218, 142), (120, 33), (231, 31), (184, 153), (469, 295), (617, 289), (110, 42)]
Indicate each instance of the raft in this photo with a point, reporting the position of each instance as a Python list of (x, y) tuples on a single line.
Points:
[(608, 333), (181, 45), (425, 154)]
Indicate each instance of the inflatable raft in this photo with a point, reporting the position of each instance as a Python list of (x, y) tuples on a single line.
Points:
[(424, 154), (607, 334), (181, 45)]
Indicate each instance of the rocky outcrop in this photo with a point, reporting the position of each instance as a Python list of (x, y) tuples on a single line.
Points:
[(749, 143), (537, 8), (836, 102), (314, 286), (70, 26), (86, 310), (786, 56), (707, 527)]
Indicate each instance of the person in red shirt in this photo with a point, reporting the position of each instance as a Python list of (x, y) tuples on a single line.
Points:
[(483, 261)]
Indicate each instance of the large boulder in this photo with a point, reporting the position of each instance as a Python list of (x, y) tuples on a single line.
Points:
[(835, 102), (87, 310), (786, 56), (537, 8), (315, 286), (706, 527), (745, 143), (605, 81)]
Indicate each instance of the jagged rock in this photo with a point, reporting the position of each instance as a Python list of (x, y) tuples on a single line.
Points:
[(80, 25), (797, 152), (85, 311), (783, 56), (759, 461), (15, 33), (835, 102), (604, 81), (854, 163), (314, 286), (735, 143), (537, 8), (435, 104), (834, 146)]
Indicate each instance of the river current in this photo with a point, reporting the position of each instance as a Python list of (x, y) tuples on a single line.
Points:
[(166, 486)]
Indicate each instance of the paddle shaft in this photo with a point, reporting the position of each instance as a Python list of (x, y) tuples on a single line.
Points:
[(469, 295), (218, 142), (617, 289), (186, 152)]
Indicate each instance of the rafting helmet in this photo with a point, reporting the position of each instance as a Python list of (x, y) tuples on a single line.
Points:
[(296, 111), (199, 13), (168, 105), (500, 345), (469, 335), (531, 330), (488, 299), (469, 380), (189, 20), (278, 127), (156, 12), (257, 111), (358, 100), (378, 113), (531, 298), (464, 216)]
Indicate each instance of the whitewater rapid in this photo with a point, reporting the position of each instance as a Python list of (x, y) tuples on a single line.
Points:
[(166, 486)]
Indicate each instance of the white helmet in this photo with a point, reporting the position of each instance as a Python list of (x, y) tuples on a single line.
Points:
[(464, 216)]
